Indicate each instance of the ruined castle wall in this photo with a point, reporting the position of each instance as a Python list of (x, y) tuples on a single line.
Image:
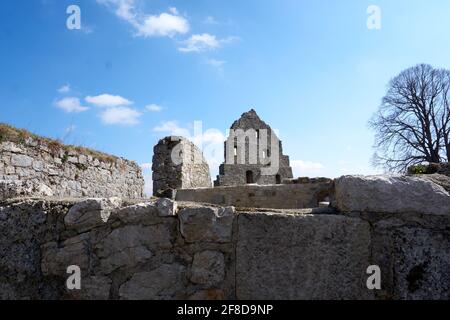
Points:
[(178, 164), (38, 168), (170, 250), (283, 196)]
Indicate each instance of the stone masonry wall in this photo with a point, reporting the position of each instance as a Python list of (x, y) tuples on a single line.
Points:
[(37, 168), (282, 196), (178, 164), (168, 250)]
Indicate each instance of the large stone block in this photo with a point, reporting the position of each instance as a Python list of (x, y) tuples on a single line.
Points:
[(390, 194), (206, 224), (20, 160), (281, 256), (165, 282), (414, 261), (131, 245), (208, 268), (74, 251), (90, 213)]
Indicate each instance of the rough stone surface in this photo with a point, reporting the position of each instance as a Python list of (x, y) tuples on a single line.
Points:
[(284, 196), (166, 207), (208, 268), (46, 170), (178, 164), (91, 213), (301, 257), (206, 224), (161, 283), (210, 252), (390, 194), (21, 188), (247, 155), (415, 261)]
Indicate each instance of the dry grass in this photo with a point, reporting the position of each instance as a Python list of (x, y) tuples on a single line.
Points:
[(20, 136)]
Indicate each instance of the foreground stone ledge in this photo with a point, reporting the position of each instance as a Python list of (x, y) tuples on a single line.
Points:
[(390, 194), (161, 249)]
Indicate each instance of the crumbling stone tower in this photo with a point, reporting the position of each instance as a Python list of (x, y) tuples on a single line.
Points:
[(253, 154), (178, 164)]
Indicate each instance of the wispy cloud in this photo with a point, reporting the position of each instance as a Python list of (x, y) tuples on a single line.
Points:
[(166, 24), (172, 128), (120, 115), (216, 63), (70, 105), (153, 108), (64, 89), (204, 42), (108, 100)]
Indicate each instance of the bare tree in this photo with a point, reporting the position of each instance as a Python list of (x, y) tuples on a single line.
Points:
[(412, 124)]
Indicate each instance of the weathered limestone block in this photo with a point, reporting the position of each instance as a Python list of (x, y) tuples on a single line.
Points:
[(207, 224), (90, 213), (390, 194), (414, 261), (131, 245), (280, 256), (165, 282), (20, 160), (208, 268), (178, 164), (166, 207), (74, 251), (21, 188), (148, 213)]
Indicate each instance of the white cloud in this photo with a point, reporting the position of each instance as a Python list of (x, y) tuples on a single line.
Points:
[(172, 128), (200, 42), (204, 42), (120, 115), (166, 24), (64, 89), (153, 108), (70, 105), (108, 100), (216, 63), (305, 168)]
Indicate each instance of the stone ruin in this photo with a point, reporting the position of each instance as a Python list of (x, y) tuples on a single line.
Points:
[(250, 137), (178, 164), (216, 245), (36, 166)]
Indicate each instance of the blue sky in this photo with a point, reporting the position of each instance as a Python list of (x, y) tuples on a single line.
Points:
[(139, 70)]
